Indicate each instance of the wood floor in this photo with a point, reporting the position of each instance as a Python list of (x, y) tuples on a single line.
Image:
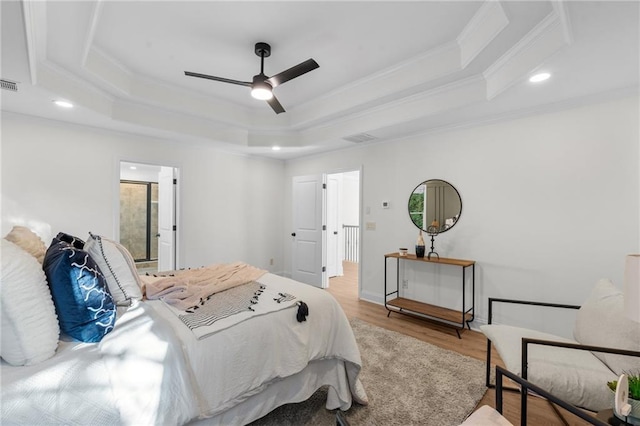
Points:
[(473, 344)]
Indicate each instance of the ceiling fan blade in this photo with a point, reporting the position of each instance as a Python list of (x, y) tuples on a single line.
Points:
[(211, 77), (277, 107), (293, 72)]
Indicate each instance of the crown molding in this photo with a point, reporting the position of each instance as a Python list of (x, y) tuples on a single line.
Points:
[(358, 95), (108, 71), (483, 27), (152, 92), (610, 95), (91, 32), (34, 14), (174, 121), (445, 59), (63, 82), (268, 139), (560, 7), (541, 42), (393, 114)]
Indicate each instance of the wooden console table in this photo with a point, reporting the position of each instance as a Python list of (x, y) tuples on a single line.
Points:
[(450, 317)]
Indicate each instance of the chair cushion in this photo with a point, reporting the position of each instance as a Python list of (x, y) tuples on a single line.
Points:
[(575, 376), (601, 322), (486, 416)]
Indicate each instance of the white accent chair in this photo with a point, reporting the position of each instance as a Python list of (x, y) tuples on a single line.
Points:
[(577, 371), (489, 416)]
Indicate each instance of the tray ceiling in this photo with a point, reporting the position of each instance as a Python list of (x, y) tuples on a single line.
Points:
[(387, 69)]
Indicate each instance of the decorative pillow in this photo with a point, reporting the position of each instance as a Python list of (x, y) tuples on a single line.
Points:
[(29, 328), (601, 322), (84, 305), (118, 267), (28, 241), (70, 239)]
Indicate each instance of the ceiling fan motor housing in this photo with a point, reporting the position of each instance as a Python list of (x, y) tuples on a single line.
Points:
[(261, 80), (263, 50)]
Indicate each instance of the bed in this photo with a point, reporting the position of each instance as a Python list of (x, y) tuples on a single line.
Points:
[(153, 369)]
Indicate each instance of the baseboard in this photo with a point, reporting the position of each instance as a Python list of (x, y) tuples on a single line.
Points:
[(475, 324), (371, 297)]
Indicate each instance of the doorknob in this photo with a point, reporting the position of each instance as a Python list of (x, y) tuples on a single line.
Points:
[(335, 232), (293, 234), (158, 235)]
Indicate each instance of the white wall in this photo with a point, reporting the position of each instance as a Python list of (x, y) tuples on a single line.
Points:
[(141, 172), (351, 198), (61, 177), (550, 203)]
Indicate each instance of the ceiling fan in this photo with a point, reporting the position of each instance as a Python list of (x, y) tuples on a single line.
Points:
[(262, 86)]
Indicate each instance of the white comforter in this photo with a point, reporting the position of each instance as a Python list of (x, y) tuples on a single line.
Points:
[(136, 375), (152, 370)]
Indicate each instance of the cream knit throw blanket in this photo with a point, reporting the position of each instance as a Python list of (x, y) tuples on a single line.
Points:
[(187, 288)]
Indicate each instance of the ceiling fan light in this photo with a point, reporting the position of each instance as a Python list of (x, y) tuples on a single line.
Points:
[(261, 93), (261, 89)]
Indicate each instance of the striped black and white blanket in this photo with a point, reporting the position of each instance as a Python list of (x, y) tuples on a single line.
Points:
[(229, 307), (221, 310)]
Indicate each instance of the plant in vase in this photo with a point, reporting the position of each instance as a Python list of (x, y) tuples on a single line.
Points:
[(633, 398)]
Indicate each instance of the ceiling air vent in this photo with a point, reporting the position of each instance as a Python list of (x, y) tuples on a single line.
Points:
[(360, 137), (9, 85)]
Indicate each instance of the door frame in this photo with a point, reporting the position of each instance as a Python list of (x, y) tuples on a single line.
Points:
[(360, 170), (177, 206), (335, 193)]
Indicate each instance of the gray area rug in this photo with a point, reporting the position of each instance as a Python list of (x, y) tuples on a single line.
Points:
[(408, 381)]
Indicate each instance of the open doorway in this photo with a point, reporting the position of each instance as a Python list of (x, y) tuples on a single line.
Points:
[(147, 214), (343, 231), (325, 240)]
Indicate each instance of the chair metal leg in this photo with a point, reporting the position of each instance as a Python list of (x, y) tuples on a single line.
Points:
[(488, 377), (341, 420), (558, 413)]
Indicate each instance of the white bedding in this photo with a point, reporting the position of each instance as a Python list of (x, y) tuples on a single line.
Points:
[(152, 370), (134, 376)]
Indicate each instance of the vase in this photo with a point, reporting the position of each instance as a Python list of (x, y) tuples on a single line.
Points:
[(420, 245), (634, 416)]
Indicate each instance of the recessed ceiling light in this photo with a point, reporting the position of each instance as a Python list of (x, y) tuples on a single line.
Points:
[(63, 104), (133, 167), (275, 148), (539, 77)]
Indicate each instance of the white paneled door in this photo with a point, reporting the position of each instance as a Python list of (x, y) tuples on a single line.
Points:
[(308, 236)]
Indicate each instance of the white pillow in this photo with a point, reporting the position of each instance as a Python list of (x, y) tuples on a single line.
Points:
[(29, 324), (117, 266), (601, 322), (29, 241)]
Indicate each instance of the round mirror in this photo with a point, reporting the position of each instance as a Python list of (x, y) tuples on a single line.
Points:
[(435, 206)]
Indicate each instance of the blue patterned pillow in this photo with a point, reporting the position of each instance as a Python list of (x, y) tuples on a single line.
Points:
[(84, 306)]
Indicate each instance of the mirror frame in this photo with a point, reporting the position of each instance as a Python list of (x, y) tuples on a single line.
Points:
[(424, 183)]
